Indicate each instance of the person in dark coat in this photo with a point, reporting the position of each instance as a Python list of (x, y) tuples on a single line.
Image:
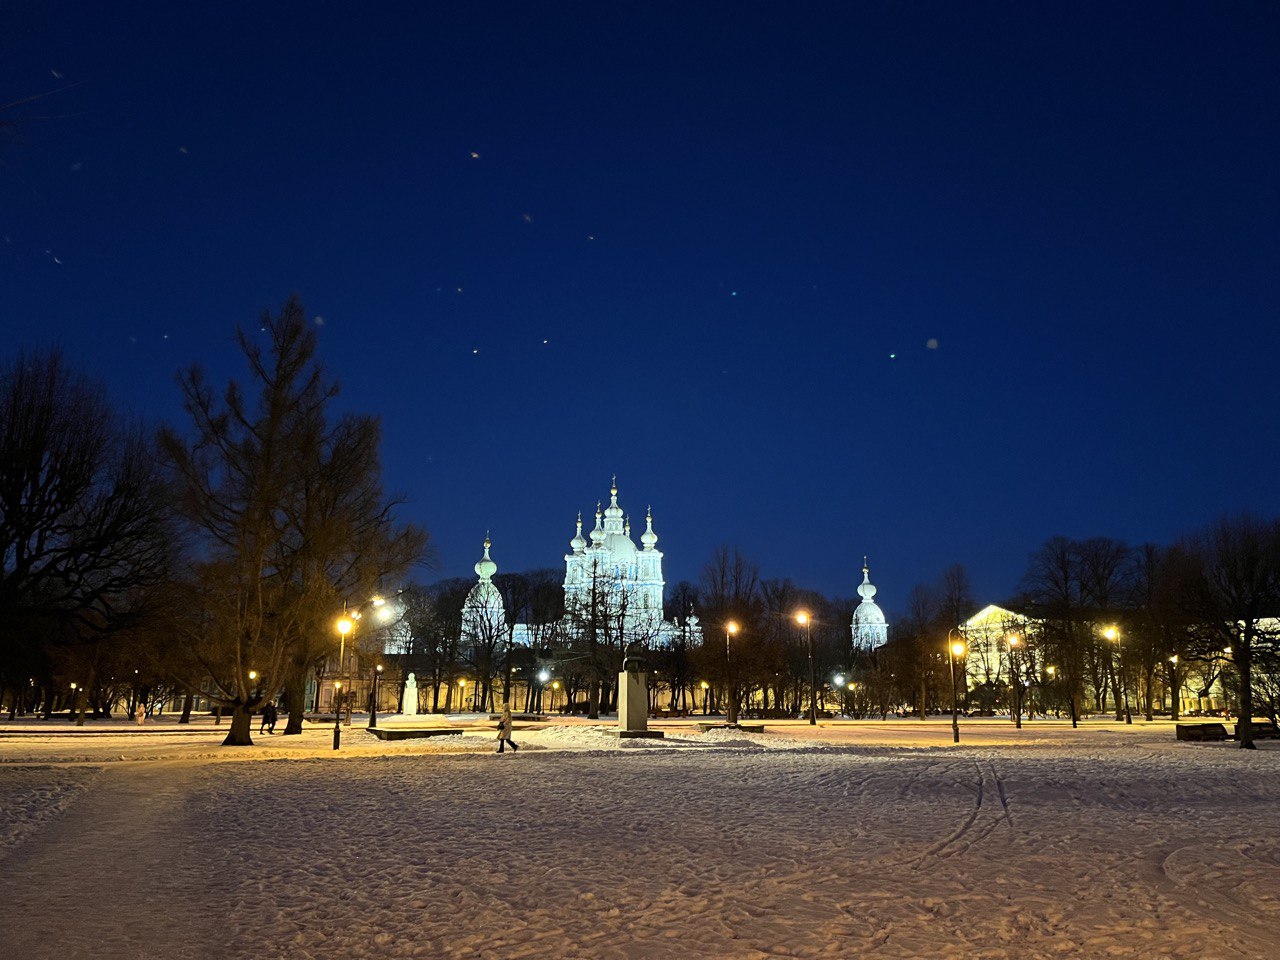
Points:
[(504, 730), (268, 718)]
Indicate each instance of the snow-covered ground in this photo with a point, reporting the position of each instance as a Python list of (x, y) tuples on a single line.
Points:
[(844, 840)]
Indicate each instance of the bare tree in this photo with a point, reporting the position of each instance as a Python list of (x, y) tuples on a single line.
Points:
[(1236, 591), (83, 535), (288, 515)]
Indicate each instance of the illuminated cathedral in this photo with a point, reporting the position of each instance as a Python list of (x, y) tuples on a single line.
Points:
[(608, 580)]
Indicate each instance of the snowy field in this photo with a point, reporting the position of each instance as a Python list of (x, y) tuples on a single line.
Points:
[(845, 840)]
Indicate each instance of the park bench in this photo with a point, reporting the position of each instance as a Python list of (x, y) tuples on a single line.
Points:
[(1262, 730), (401, 733), (1202, 732)]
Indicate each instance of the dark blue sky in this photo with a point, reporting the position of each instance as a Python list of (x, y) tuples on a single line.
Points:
[(735, 226)]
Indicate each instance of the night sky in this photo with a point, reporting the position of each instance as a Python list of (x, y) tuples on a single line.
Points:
[(929, 282)]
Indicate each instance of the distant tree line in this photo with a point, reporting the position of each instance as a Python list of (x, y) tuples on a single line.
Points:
[(1099, 621)]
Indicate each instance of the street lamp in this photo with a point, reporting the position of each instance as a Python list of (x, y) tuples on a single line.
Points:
[(462, 694), (706, 693), (804, 620), (955, 650), (1014, 640), (555, 686), (731, 708), (1112, 633), (373, 698), (344, 626)]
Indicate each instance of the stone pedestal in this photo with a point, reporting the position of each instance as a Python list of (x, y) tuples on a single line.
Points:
[(633, 701)]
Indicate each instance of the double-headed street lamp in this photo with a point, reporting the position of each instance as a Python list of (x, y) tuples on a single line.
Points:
[(805, 620), (955, 651)]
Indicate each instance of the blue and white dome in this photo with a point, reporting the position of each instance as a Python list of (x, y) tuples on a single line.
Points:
[(870, 629)]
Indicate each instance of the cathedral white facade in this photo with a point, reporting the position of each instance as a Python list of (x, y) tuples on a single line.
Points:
[(609, 581)]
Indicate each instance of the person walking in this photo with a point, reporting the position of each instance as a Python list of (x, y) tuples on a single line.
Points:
[(504, 730), (268, 718)]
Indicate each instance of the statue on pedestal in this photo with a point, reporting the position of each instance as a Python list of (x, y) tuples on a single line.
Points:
[(410, 707)]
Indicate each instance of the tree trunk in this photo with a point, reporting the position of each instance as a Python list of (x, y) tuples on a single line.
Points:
[(295, 693), (241, 728), (188, 702), (593, 701), (1244, 661)]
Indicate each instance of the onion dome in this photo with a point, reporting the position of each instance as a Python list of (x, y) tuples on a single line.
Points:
[(578, 544), (486, 568), (613, 512), (597, 535), (649, 538), (869, 625), (866, 590)]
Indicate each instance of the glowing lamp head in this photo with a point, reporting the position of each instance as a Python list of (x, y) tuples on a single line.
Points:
[(378, 668), (344, 625), (802, 618), (839, 679), (732, 628), (543, 676), (1014, 640), (73, 686), (704, 685), (1111, 633), (1174, 659), (253, 674), (337, 684), (556, 685), (1051, 670), (462, 683), (957, 649)]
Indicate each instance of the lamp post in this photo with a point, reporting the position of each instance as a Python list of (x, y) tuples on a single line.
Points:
[(955, 650), (462, 694), (1112, 633), (344, 625), (804, 619), (731, 705), (555, 687), (1014, 640), (844, 697), (373, 698), (706, 695), (1052, 671)]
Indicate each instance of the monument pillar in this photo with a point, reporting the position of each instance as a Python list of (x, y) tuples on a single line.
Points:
[(633, 700)]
